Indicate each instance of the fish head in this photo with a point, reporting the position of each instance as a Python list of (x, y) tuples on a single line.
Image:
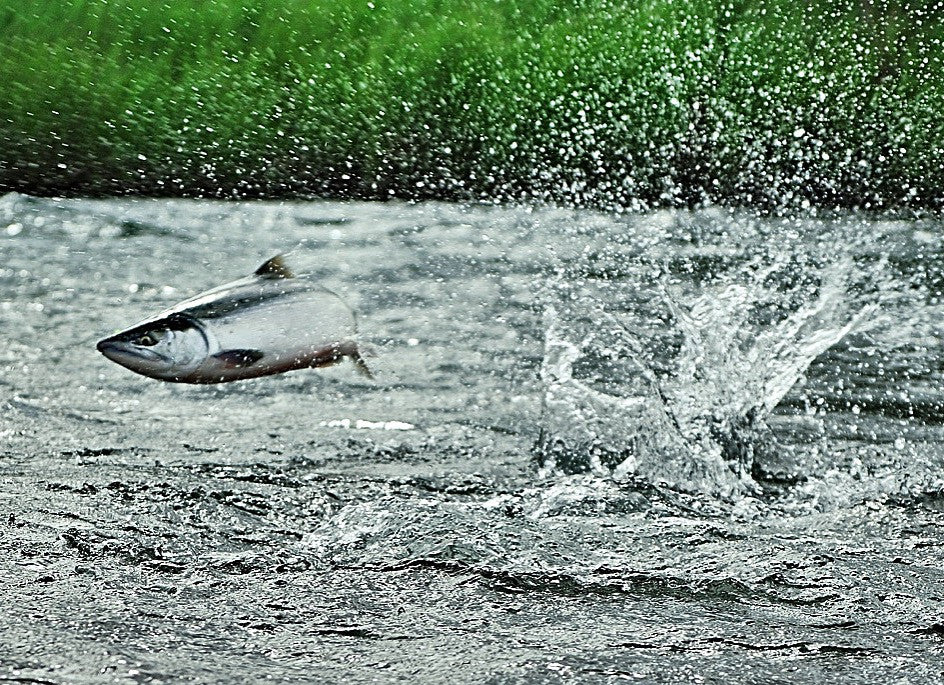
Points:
[(167, 348)]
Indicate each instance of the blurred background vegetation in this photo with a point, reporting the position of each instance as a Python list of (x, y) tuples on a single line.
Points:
[(769, 103)]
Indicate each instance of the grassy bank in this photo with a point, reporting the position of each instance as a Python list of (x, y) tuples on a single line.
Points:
[(838, 103)]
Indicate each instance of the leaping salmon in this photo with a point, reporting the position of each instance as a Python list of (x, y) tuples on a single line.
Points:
[(268, 323)]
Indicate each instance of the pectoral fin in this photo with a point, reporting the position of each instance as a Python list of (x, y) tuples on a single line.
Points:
[(235, 359)]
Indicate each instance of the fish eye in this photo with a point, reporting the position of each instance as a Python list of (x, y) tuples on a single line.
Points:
[(147, 340)]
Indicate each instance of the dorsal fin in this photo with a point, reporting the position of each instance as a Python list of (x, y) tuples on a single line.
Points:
[(275, 268)]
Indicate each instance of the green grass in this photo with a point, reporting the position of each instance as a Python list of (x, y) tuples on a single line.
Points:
[(585, 102)]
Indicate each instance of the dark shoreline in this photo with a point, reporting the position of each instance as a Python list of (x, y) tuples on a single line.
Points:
[(911, 212), (770, 105)]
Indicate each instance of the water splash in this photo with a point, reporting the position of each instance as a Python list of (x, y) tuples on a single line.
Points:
[(685, 401)]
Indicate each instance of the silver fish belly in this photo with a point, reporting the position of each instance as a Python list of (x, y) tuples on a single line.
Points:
[(268, 323)]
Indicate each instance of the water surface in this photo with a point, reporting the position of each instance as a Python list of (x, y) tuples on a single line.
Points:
[(321, 526)]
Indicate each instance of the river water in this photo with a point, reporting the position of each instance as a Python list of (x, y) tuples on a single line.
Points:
[(676, 446)]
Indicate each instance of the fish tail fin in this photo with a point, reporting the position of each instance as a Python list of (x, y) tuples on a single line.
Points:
[(360, 365)]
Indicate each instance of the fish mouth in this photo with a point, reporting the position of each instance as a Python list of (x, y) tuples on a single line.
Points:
[(120, 352)]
